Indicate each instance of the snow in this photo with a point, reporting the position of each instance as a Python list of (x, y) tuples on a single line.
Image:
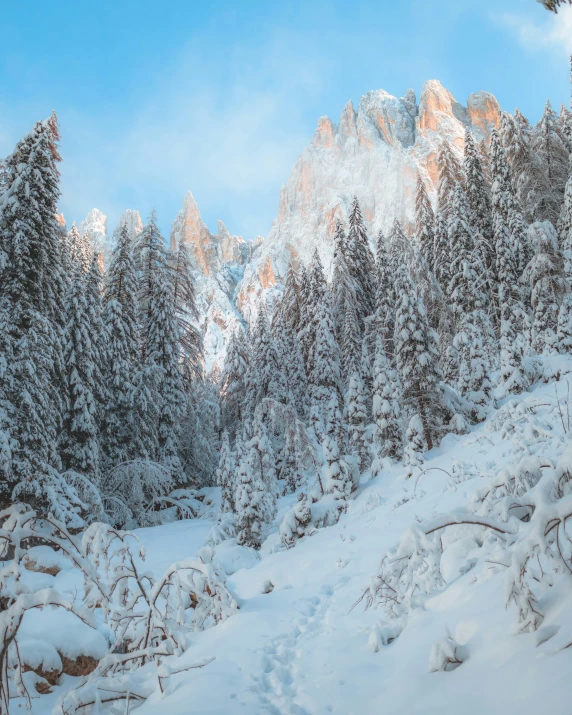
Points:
[(305, 647)]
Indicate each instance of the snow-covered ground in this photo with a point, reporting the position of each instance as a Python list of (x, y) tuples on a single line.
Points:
[(302, 649), (306, 647)]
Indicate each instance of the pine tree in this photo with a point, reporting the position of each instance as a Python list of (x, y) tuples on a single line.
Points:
[(350, 342), (184, 299), (466, 287), (225, 476), (162, 357), (424, 222), (384, 317), (417, 357), (553, 156), (474, 378), (234, 382), (510, 307), (362, 262), (525, 165), (93, 295), (442, 252), (548, 285), (249, 499), (565, 226), (415, 444), (290, 357), (271, 378), (344, 288), (324, 374), (479, 205), (80, 250), (564, 330), (291, 300), (356, 417), (150, 255), (386, 405), (337, 477), (289, 471), (255, 497), (79, 445), (32, 286)]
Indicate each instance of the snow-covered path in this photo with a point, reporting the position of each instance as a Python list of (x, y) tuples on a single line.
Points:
[(302, 650)]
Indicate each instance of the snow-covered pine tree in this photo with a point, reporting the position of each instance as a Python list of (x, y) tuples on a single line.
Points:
[(270, 376), (424, 222), (355, 400), (565, 126), (31, 320), (474, 378), (290, 357), (450, 175), (466, 287), (150, 255), (416, 352), (79, 443), (386, 405), (97, 331), (415, 443), (255, 497), (324, 373), (289, 471), (249, 501), (225, 475), (548, 285), (350, 342), (525, 166), (338, 479), (553, 155), (564, 330), (564, 226), (162, 358), (291, 303), (129, 419), (190, 339), (384, 317), (479, 204), (345, 290), (510, 306), (362, 262), (81, 253), (234, 382)]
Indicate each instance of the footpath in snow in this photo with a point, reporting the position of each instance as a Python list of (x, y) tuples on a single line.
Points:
[(303, 649)]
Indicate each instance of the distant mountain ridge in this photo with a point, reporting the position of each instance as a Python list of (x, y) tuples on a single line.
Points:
[(374, 152)]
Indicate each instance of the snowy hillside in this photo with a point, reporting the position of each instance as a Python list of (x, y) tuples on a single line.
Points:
[(307, 647)]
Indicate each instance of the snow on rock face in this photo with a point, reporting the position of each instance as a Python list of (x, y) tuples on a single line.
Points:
[(374, 152), (95, 226), (220, 259), (132, 220)]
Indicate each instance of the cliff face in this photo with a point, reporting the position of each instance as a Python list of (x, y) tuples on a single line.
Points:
[(374, 152), (220, 260)]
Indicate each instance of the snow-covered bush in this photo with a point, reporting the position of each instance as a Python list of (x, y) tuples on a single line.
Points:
[(297, 522), (147, 620), (446, 655)]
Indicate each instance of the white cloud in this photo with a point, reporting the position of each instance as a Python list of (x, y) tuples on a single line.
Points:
[(553, 33)]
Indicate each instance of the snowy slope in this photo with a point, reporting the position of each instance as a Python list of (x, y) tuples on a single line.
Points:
[(302, 648)]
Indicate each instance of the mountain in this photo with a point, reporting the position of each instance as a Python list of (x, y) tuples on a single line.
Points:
[(373, 152), (220, 260), (95, 226)]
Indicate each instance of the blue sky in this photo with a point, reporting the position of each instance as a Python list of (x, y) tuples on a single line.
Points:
[(157, 98)]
